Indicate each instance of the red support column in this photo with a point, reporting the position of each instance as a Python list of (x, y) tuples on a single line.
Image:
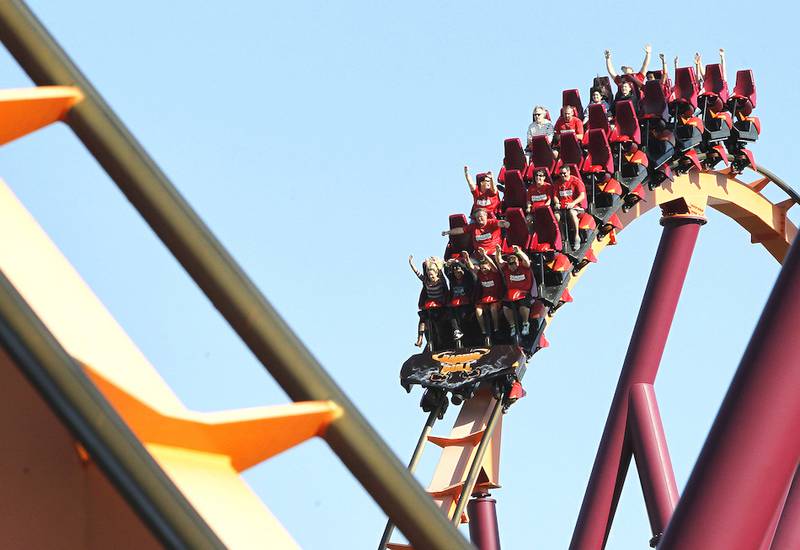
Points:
[(652, 457), (483, 531), (641, 365), (787, 536), (753, 447)]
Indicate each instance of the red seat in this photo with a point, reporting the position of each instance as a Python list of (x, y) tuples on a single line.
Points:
[(714, 83), (743, 98), (458, 243), (572, 97), (514, 195), (541, 154), (598, 119), (685, 89), (603, 84), (627, 128), (654, 102), (514, 158), (570, 151), (546, 235), (517, 232), (599, 155)]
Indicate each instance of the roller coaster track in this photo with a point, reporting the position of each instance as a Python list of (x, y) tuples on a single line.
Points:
[(135, 461), (473, 444)]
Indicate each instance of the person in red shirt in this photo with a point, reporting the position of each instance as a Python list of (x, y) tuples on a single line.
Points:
[(640, 76), (520, 290), (540, 194), (570, 197), (490, 294), (433, 297), (485, 232), (568, 122), (484, 193)]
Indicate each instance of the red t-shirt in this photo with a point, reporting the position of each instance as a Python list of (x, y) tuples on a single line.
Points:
[(488, 200), (538, 195), (491, 286), (486, 237), (518, 283), (575, 124), (568, 191), (620, 78)]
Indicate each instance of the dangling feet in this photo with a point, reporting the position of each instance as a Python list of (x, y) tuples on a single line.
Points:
[(418, 343), (457, 335), (487, 340), (526, 328), (513, 331)]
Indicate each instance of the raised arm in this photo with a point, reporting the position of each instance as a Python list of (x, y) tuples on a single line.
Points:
[(413, 267), (676, 63), (610, 65), (491, 179), (646, 63), (484, 256), (470, 182), (663, 68), (523, 258), (698, 66), (722, 64), (498, 255), (467, 260)]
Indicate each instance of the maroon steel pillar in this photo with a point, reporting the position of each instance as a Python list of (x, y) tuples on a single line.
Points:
[(753, 447), (787, 536), (483, 531), (652, 457), (641, 364)]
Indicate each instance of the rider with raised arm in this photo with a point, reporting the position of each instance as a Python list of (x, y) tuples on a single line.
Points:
[(491, 293), (485, 232), (432, 298), (462, 291), (569, 195), (701, 70), (516, 270), (484, 192), (626, 70)]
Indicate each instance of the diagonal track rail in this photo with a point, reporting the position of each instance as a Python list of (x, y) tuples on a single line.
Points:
[(243, 306)]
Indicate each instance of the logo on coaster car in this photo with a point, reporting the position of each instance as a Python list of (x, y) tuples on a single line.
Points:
[(450, 361)]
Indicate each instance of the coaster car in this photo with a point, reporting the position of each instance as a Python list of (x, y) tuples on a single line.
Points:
[(461, 372), (513, 158), (746, 128)]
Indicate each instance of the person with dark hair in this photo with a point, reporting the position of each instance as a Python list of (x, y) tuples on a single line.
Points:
[(485, 232), (570, 194), (540, 194), (484, 192), (462, 291), (432, 298), (596, 96), (516, 270), (626, 92), (490, 295)]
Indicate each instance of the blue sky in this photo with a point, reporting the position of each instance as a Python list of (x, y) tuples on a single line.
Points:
[(323, 143)]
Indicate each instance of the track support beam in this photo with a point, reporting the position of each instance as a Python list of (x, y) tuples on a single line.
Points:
[(640, 367), (752, 450), (483, 530)]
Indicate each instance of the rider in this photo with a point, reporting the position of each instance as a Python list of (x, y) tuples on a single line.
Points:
[(462, 291), (491, 293), (485, 232), (432, 298), (640, 76), (570, 196), (516, 269), (485, 193), (540, 193)]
